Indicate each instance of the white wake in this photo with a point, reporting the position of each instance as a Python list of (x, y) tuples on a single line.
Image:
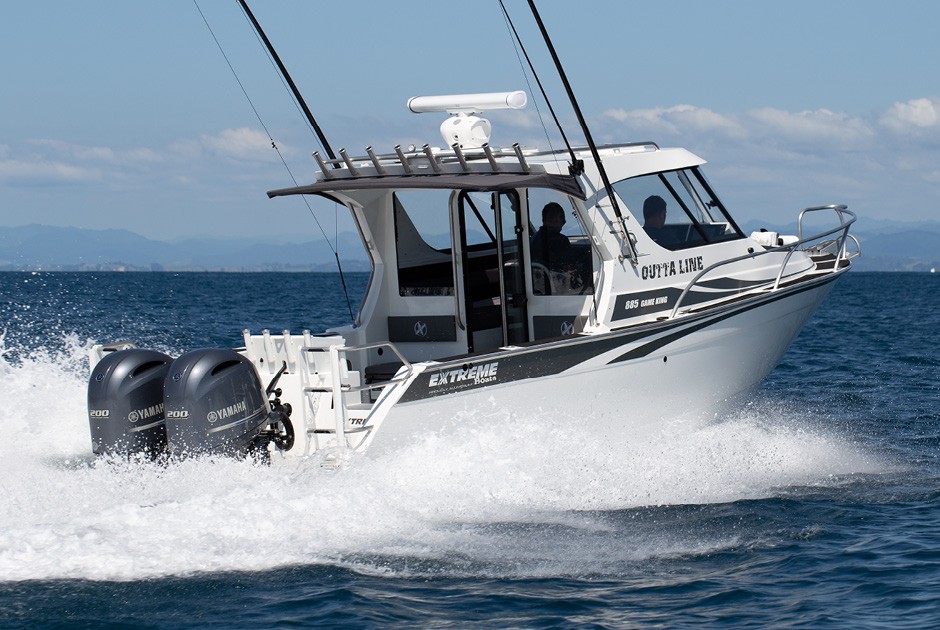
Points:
[(509, 495)]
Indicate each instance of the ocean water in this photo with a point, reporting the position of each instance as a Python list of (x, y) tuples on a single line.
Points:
[(815, 504)]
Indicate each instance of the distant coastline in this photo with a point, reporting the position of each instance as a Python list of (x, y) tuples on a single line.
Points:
[(885, 247), (353, 267)]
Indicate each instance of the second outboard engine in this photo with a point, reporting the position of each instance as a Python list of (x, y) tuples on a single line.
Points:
[(125, 403), (215, 404)]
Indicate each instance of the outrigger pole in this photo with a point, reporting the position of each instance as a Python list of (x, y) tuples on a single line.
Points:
[(316, 128), (587, 135), (290, 81)]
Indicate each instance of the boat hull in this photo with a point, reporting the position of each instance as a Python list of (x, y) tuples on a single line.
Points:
[(636, 381)]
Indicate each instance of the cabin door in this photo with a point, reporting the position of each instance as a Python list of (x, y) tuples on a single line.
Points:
[(494, 291)]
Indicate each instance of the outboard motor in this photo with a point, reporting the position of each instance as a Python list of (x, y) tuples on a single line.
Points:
[(215, 404), (125, 403)]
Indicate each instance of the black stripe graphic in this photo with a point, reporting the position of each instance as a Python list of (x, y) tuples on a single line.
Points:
[(552, 358)]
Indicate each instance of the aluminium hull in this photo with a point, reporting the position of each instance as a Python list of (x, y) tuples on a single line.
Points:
[(636, 380)]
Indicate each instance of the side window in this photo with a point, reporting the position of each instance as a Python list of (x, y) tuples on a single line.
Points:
[(422, 243), (480, 221), (559, 247)]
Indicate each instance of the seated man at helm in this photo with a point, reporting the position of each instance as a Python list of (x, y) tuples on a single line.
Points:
[(654, 217), (558, 267), (549, 246)]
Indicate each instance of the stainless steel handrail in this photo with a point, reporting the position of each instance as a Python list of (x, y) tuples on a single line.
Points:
[(840, 209), (843, 227), (381, 344), (369, 346), (858, 246)]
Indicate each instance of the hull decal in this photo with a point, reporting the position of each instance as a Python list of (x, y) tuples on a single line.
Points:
[(665, 340), (556, 357), (629, 305)]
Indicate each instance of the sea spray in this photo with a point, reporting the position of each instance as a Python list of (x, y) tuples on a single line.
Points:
[(522, 494)]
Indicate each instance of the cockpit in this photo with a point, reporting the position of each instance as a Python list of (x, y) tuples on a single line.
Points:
[(506, 264)]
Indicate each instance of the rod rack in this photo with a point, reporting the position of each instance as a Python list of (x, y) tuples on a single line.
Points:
[(473, 161)]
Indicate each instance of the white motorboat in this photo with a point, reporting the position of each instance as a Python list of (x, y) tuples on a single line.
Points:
[(609, 285)]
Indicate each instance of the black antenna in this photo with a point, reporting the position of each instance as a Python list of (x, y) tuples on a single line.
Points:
[(313, 123), (290, 82), (587, 132), (576, 165)]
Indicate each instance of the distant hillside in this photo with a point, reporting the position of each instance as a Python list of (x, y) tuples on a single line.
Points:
[(885, 247), (35, 247)]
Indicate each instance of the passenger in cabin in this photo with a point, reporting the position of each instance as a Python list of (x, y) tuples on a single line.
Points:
[(654, 217), (550, 247)]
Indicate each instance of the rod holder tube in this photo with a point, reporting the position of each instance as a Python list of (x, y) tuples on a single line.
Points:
[(433, 160), (489, 156), (322, 165), (404, 161), (375, 162), (520, 157), (460, 157), (352, 169)]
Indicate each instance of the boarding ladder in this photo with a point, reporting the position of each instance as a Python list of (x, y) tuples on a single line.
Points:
[(350, 412), (319, 380)]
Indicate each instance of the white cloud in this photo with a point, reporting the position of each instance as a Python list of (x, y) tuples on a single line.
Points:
[(186, 149), (96, 154), (20, 172), (818, 126), (143, 155), (242, 143), (676, 120), (912, 116), (105, 155), (202, 158), (524, 119), (767, 162)]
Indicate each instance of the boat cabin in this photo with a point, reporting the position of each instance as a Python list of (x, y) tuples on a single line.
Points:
[(477, 250)]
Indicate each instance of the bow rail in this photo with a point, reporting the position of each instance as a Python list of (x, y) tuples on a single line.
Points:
[(840, 241)]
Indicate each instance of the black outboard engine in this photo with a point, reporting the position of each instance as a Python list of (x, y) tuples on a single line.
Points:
[(125, 403), (215, 404)]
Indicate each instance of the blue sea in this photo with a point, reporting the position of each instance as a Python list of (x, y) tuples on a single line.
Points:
[(815, 504)]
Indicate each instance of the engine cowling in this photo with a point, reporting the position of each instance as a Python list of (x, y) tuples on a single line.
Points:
[(125, 403), (215, 404)]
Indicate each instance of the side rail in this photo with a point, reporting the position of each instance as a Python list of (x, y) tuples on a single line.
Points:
[(841, 232), (841, 211), (372, 346)]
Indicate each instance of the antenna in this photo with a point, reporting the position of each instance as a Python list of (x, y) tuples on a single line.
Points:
[(290, 81), (587, 135), (464, 128)]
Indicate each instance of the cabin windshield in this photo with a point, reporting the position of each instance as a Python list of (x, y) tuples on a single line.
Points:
[(678, 209)]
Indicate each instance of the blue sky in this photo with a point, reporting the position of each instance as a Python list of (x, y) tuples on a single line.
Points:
[(125, 115)]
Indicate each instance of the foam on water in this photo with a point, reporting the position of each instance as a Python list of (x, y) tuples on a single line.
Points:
[(496, 495)]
